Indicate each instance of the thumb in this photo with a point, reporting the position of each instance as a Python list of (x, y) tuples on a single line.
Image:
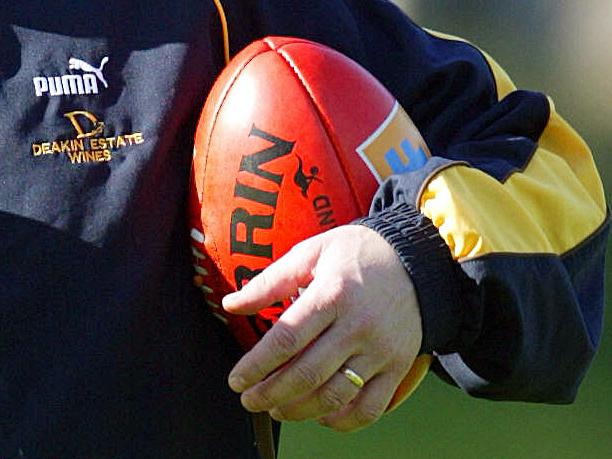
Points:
[(279, 281)]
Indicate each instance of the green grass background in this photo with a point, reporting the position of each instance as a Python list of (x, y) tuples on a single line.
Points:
[(562, 48)]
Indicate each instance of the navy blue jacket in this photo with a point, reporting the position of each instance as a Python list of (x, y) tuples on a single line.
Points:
[(105, 348)]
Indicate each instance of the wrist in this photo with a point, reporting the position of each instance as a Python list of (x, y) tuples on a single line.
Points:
[(427, 260)]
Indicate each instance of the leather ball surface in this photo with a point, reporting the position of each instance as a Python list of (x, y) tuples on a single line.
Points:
[(294, 139)]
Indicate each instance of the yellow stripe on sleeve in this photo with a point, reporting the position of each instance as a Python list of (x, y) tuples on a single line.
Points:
[(544, 209), (559, 137), (556, 202)]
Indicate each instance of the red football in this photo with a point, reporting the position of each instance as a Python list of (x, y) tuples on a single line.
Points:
[(293, 140)]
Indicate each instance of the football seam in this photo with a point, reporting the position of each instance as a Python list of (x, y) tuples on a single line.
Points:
[(325, 122), (226, 91), (216, 259)]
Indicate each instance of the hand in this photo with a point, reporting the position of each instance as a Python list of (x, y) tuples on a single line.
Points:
[(358, 310)]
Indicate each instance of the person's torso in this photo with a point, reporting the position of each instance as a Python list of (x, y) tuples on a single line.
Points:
[(105, 350)]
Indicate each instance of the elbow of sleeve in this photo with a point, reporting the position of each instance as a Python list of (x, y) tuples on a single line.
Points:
[(541, 324), (519, 383)]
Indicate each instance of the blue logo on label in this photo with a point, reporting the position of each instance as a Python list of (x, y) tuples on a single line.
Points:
[(416, 158)]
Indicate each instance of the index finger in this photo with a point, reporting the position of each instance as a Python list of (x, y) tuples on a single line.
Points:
[(279, 281), (299, 325)]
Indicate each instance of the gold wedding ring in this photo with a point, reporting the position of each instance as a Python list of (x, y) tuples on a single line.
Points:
[(352, 376)]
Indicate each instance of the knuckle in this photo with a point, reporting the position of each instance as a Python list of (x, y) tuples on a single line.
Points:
[(284, 340), (385, 346), (256, 401), (256, 371), (363, 325), (402, 363), (332, 400), (263, 282), (337, 297), (366, 414), (398, 368), (338, 289), (306, 377)]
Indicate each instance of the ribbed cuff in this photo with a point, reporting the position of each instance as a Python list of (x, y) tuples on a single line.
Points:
[(428, 261)]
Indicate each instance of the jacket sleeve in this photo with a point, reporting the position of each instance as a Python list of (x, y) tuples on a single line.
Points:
[(503, 228), (512, 300)]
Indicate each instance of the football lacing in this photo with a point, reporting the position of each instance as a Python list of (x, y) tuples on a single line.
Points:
[(199, 258)]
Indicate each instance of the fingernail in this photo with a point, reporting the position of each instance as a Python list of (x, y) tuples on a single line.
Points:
[(236, 383), (247, 403)]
